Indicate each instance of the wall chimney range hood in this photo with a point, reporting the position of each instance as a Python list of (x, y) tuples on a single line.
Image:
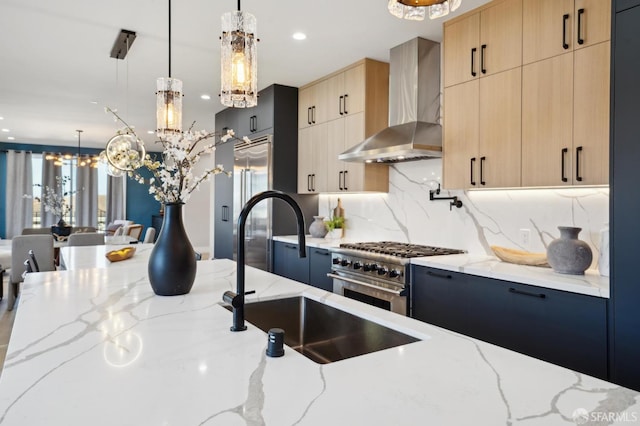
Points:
[(415, 132)]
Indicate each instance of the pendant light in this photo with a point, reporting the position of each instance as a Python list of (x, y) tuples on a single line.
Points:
[(169, 100), (416, 10), (238, 62)]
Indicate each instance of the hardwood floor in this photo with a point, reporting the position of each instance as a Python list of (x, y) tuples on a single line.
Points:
[(6, 324)]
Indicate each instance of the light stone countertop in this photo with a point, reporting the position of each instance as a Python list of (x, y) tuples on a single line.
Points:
[(87, 257), (591, 283), (324, 243), (96, 346)]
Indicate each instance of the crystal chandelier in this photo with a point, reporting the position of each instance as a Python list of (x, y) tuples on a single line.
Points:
[(416, 10), (169, 100), (238, 64)]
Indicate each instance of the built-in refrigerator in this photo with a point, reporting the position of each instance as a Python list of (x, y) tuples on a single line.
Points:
[(252, 174)]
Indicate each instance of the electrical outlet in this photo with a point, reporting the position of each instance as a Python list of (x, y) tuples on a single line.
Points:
[(525, 237)]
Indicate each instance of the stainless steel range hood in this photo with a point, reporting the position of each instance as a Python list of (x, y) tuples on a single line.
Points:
[(414, 108)]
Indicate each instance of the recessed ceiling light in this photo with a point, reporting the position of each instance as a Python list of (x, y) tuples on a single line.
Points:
[(150, 132), (205, 97), (1, 118), (94, 102), (11, 138), (6, 130), (299, 36)]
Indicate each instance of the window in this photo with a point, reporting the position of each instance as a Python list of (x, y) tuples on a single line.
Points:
[(70, 171)]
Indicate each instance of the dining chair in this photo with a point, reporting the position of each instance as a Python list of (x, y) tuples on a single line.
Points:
[(42, 247), (119, 232), (134, 231), (33, 261), (149, 235), (86, 239), (36, 231)]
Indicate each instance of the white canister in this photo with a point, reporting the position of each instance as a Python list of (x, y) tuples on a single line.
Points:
[(603, 259)]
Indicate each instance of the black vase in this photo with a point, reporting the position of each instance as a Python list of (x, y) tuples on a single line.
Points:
[(172, 264)]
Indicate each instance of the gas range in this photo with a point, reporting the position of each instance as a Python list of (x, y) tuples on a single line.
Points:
[(382, 259), (378, 272)]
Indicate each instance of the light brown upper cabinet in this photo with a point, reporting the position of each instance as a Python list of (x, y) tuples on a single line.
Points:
[(565, 119), (482, 135), (554, 27), (483, 43), (356, 101), (312, 159), (313, 105)]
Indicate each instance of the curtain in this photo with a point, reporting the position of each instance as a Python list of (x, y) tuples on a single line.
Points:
[(19, 183), (49, 174), (86, 196), (115, 198)]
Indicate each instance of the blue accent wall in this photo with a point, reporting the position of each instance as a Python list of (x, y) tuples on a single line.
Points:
[(140, 204)]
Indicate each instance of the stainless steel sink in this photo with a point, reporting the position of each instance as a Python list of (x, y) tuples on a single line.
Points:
[(320, 332)]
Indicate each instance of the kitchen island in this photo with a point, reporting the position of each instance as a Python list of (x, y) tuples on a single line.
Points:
[(96, 346)]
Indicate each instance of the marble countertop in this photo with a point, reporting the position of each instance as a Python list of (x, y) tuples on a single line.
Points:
[(96, 346), (591, 283), (87, 257)]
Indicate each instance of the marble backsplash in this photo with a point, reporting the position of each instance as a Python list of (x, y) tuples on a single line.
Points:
[(487, 217)]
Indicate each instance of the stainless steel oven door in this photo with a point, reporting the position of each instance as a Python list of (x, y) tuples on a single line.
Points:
[(394, 300)]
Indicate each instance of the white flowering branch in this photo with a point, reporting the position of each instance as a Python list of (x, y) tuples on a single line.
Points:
[(173, 178)]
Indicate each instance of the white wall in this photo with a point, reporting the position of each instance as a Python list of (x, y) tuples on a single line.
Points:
[(488, 217), (197, 211)]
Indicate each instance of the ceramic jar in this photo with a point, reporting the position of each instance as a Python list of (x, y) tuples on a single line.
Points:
[(568, 254), (318, 229)]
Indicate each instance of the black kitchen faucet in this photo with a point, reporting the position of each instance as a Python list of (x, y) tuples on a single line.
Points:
[(236, 300)]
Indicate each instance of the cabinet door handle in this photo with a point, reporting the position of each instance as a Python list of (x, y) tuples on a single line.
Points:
[(344, 180), (482, 160), (309, 183), (580, 13), (313, 182), (309, 115), (473, 65), (340, 181), (562, 164), (225, 213), (565, 18), (289, 246), (483, 49), (313, 114), (344, 104), (527, 293), (340, 105), (578, 152), (435, 274), (323, 253), (473, 160), (255, 123)]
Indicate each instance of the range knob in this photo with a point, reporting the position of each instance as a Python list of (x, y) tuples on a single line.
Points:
[(366, 267), (345, 262), (374, 267), (394, 273), (336, 260), (357, 265), (382, 270)]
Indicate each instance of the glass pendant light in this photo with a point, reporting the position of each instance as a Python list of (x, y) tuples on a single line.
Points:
[(416, 10), (238, 62), (168, 100)]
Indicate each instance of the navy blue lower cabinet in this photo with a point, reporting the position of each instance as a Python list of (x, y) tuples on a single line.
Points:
[(287, 263), (319, 267), (563, 328)]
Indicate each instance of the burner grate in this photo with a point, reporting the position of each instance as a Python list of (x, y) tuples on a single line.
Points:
[(405, 250)]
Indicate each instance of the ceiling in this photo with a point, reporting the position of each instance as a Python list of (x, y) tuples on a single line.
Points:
[(56, 74)]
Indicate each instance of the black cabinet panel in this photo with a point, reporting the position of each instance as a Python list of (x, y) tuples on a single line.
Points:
[(287, 263), (223, 213), (624, 202), (564, 328), (319, 267)]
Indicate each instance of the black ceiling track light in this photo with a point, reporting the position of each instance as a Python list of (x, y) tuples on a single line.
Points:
[(123, 43)]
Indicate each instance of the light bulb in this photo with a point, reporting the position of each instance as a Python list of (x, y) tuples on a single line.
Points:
[(240, 72)]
